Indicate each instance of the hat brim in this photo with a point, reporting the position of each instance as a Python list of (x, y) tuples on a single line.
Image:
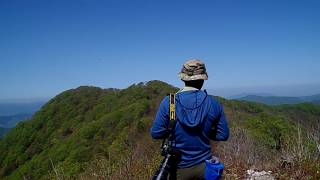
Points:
[(185, 77)]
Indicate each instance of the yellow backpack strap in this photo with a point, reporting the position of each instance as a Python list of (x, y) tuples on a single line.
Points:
[(172, 106)]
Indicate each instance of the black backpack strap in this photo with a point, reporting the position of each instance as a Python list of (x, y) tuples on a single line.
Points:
[(172, 117), (172, 121), (172, 108)]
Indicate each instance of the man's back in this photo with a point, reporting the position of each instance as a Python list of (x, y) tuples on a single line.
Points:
[(199, 118)]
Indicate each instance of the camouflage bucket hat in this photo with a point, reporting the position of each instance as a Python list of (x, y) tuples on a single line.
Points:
[(193, 69)]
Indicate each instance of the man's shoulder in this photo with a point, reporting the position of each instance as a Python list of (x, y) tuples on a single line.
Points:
[(214, 102)]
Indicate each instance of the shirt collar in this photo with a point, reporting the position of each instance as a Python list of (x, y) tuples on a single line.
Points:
[(188, 88)]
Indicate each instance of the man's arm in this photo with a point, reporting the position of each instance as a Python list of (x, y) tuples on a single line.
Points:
[(219, 128), (159, 129)]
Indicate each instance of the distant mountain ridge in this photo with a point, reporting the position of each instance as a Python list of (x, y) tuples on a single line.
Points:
[(13, 112), (3, 131), (11, 121), (14, 108), (278, 100), (237, 96)]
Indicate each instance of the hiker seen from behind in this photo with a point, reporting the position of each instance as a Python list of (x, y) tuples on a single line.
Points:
[(199, 118)]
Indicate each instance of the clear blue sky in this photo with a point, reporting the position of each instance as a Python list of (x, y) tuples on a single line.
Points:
[(50, 46)]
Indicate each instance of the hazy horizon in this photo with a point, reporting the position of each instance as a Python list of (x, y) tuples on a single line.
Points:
[(226, 92)]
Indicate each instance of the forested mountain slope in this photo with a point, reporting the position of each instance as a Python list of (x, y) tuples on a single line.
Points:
[(91, 132)]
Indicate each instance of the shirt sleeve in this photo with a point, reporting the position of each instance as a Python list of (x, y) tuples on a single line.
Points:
[(219, 129), (159, 129)]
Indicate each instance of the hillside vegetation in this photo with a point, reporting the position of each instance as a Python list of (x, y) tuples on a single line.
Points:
[(91, 132)]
